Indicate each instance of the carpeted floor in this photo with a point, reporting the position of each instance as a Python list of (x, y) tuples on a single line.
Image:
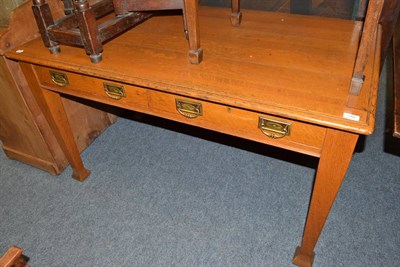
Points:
[(164, 194)]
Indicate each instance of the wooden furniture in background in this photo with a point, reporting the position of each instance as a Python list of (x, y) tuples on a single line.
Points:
[(81, 25), (361, 10), (396, 75), (369, 35), (24, 132), (14, 258), (6, 8), (301, 6), (333, 8), (327, 8), (278, 79), (388, 19)]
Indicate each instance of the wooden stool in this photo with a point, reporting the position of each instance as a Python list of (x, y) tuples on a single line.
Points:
[(79, 26)]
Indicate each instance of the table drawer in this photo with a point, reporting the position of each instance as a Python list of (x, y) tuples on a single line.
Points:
[(264, 128), (294, 135), (110, 92)]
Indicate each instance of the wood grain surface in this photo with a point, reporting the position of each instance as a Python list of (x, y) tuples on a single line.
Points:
[(294, 66), (287, 67)]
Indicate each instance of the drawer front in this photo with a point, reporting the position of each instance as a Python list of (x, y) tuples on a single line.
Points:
[(92, 88), (288, 134), (297, 136)]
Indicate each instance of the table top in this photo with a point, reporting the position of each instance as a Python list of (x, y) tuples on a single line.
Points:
[(293, 66)]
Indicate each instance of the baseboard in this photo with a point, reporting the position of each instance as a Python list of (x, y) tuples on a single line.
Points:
[(44, 165)]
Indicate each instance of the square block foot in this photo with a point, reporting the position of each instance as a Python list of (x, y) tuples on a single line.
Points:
[(303, 260), (236, 19), (356, 84), (196, 56), (81, 175)]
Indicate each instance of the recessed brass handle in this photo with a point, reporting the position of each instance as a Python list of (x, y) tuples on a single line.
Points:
[(59, 78), (189, 109), (273, 128), (114, 91)]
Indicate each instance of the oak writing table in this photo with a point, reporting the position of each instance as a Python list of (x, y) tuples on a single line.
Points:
[(279, 79)]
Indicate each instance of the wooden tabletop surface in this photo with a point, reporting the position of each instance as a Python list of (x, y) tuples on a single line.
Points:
[(288, 65)]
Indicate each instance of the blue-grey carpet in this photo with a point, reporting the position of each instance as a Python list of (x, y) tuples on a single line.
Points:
[(163, 194)]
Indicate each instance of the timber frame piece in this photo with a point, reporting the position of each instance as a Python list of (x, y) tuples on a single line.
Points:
[(396, 78), (14, 257), (79, 26), (369, 35)]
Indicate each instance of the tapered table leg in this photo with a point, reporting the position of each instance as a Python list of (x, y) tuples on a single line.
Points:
[(191, 10), (335, 158), (52, 107)]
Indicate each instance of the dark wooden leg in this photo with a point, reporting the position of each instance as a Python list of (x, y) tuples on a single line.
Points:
[(185, 24), (89, 32), (68, 7), (191, 11), (236, 15), (396, 80), (53, 109), (335, 158), (44, 19), (120, 7)]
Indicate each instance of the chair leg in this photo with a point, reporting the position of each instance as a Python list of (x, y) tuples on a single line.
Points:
[(236, 15), (185, 24), (368, 38), (120, 7), (89, 32), (44, 19), (191, 15), (68, 7)]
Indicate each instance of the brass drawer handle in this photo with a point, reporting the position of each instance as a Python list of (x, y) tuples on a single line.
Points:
[(59, 78), (273, 128), (189, 109), (114, 91)]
